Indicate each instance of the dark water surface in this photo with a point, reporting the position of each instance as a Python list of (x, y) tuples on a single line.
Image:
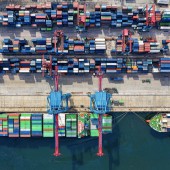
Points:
[(131, 146)]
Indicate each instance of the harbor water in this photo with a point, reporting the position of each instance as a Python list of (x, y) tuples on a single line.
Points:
[(133, 145)]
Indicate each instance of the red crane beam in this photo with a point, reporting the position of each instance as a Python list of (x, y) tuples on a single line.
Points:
[(100, 147), (123, 42), (56, 78), (56, 152), (147, 15), (46, 65)]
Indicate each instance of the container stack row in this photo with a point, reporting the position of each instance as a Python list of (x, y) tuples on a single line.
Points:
[(3, 125), (14, 125), (71, 125), (78, 66), (48, 125), (36, 125), (25, 125), (47, 15), (165, 65), (43, 125), (107, 124), (83, 125), (165, 20), (94, 125), (61, 124)]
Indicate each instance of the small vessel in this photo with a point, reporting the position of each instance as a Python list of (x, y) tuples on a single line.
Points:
[(160, 122)]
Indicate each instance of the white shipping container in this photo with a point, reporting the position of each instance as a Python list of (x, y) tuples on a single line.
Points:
[(111, 71), (5, 69), (154, 51), (165, 28), (100, 40), (24, 71), (111, 64)]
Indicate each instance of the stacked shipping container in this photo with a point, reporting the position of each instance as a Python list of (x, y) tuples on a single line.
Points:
[(25, 125), (36, 125), (48, 125), (71, 125), (13, 125), (3, 125)]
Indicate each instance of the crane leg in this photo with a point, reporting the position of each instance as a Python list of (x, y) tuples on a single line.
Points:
[(56, 153), (100, 148)]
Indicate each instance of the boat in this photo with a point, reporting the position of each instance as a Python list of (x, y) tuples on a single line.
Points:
[(160, 122)]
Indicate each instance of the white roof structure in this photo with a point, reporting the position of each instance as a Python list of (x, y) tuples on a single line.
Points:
[(166, 2)]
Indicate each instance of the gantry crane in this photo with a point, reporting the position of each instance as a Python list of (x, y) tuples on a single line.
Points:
[(100, 104), (58, 38), (57, 103), (150, 17), (126, 39), (46, 66)]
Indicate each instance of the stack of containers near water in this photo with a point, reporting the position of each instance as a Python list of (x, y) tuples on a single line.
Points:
[(78, 47), (100, 45), (129, 66), (3, 125), (5, 19), (98, 16), (14, 63), (165, 65), (134, 66), (118, 45), (36, 125), (13, 125), (61, 124), (38, 65), (7, 42), (40, 45), (92, 47), (127, 16), (140, 66), (135, 45), (40, 19), (71, 125), (94, 125), (11, 18), (119, 15), (24, 67), (62, 66), (106, 124), (92, 65), (147, 47), (48, 125), (59, 15), (91, 19), (111, 66), (70, 17), (158, 16), (165, 21), (25, 125), (141, 47), (119, 65), (86, 66), (105, 15), (5, 65), (71, 45), (27, 19), (154, 47), (64, 14), (103, 64)]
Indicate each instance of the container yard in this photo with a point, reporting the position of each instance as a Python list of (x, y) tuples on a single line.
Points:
[(48, 15), (66, 69), (125, 44)]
